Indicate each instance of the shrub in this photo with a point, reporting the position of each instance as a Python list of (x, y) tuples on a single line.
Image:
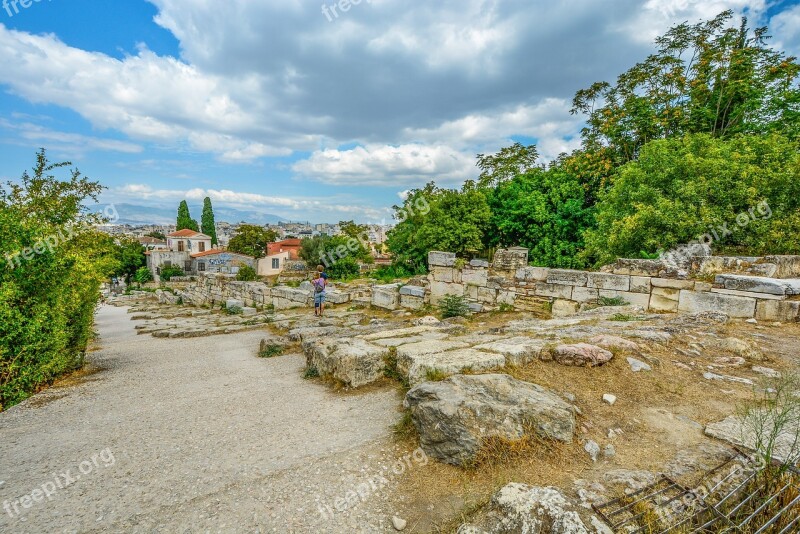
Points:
[(612, 301), (311, 372), (143, 275), (344, 269), (390, 273), (234, 310), (270, 350), (246, 274), (169, 271), (453, 306)]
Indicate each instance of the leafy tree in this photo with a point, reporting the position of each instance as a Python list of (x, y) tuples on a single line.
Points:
[(157, 235), (208, 225), (688, 188), (130, 257), (49, 286), (545, 211), (185, 220), (330, 250), (705, 78), (143, 275), (506, 164), (246, 274), (345, 268), (407, 251), (351, 229), (252, 240)]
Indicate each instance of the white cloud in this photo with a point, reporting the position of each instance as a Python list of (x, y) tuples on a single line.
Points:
[(785, 27), (412, 164), (72, 143)]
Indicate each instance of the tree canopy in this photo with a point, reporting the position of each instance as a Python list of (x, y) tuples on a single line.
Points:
[(252, 240), (208, 225), (185, 220)]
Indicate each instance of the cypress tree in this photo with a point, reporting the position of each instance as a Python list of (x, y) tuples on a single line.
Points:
[(207, 223), (185, 218)]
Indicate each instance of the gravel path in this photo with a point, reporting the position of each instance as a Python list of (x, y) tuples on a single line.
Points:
[(194, 435)]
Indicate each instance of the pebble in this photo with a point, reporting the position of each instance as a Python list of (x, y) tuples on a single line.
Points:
[(398, 523), (751, 321), (609, 451), (638, 365), (593, 449), (609, 399)]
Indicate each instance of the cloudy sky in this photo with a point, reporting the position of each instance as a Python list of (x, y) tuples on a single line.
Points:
[(303, 109)]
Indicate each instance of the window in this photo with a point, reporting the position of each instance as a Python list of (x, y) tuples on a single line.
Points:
[(167, 263), (276, 263), (201, 247), (201, 266), (187, 266), (181, 246)]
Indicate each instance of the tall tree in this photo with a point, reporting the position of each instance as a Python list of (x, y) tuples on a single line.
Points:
[(252, 240), (207, 224), (506, 164), (185, 220)]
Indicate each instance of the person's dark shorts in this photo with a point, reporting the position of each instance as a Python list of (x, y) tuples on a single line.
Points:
[(319, 299)]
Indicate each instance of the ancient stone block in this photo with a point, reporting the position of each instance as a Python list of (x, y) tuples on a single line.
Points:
[(694, 302), (441, 259), (567, 277), (640, 284), (672, 283), (609, 281), (777, 310), (554, 290)]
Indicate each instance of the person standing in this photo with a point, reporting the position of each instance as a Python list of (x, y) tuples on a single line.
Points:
[(320, 282)]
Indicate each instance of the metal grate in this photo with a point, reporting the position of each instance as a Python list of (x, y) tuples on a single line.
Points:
[(736, 496)]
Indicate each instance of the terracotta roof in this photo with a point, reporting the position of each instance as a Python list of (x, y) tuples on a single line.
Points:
[(187, 233), (215, 251)]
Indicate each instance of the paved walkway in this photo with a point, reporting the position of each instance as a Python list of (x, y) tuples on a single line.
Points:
[(192, 435)]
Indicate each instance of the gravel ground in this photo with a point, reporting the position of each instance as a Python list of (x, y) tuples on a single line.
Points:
[(195, 435)]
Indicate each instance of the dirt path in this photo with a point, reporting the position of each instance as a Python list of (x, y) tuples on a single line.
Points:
[(187, 435)]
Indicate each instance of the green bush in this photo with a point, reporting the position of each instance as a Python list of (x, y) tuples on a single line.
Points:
[(344, 269), (246, 274), (171, 270), (390, 273), (234, 310), (143, 275), (270, 350), (453, 306)]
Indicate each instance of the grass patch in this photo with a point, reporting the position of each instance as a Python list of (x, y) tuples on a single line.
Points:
[(391, 371), (453, 306), (233, 310), (311, 373), (622, 317), (435, 375), (404, 429), (270, 350), (612, 301)]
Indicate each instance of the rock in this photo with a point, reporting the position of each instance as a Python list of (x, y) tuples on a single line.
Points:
[(455, 320), (305, 285), (757, 429), (609, 399), (516, 350), (518, 508), (607, 342), (751, 321), (766, 371), (741, 348), (249, 312), (414, 291), (353, 361), (714, 376), (581, 355), (386, 296), (454, 416), (447, 363), (638, 365), (634, 480), (733, 306), (593, 449), (234, 303), (758, 284), (609, 451), (399, 524), (441, 259)]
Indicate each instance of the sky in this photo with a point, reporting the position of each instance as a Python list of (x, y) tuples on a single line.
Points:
[(304, 109)]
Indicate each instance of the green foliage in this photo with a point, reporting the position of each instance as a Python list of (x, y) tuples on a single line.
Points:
[(439, 219), (234, 310), (391, 370), (270, 350), (47, 301), (505, 307), (207, 224), (622, 317), (340, 255), (311, 372), (246, 274), (344, 269), (544, 211), (252, 240), (612, 301), (506, 164), (185, 220), (130, 257), (157, 235), (434, 375), (168, 272), (453, 306), (143, 275), (390, 273), (682, 189)]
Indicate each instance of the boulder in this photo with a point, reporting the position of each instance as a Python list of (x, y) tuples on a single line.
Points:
[(516, 350), (638, 365), (518, 508), (581, 355), (692, 302), (608, 341), (454, 416), (416, 366), (353, 361), (759, 284)]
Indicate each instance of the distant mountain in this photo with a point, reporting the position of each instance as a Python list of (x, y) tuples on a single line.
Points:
[(135, 214)]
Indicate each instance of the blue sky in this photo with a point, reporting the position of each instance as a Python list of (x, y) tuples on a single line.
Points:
[(277, 107)]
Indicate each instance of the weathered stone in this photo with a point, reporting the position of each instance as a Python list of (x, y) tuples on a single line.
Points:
[(732, 306), (554, 290), (608, 341), (609, 399), (564, 308), (609, 281), (664, 299), (475, 277), (506, 297), (516, 350), (518, 508), (638, 267), (703, 286), (511, 259), (636, 299), (532, 274), (487, 295), (669, 283), (355, 362), (454, 416), (479, 263), (640, 284), (411, 303), (783, 311), (441, 289), (581, 355), (593, 449), (414, 291), (638, 365), (445, 274), (567, 277), (787, 266), (234, 303), (740, 347), (585, 295), (417, 367), (402, 332), (757, 284), (753, 430), (386, 296), (441, 259), (310, 332)]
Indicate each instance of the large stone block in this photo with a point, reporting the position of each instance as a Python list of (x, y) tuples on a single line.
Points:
[(475, 277), (479, 263), (386, 296), (516, 350), (616, 282), (554, 290), (664, 299), (585, 295), (511, 259), (777, 310), (567, 277), (446, 274), (635, 299), (487, 295), (355, 362), (640, 284), (637, 267), (414, 291), (671, 283), (758, 284), (411, 302), (532, 274), (694, 302), (441, 289), (564, 308), (441, 259), (455, 417), (506, 297)]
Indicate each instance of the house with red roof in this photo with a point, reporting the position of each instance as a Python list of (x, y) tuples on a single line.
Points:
[(278, 254), (192, 252)]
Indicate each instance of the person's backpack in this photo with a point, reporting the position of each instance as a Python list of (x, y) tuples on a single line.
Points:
[(319, 285)]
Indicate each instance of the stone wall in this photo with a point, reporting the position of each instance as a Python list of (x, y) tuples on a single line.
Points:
[(648, 284)]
